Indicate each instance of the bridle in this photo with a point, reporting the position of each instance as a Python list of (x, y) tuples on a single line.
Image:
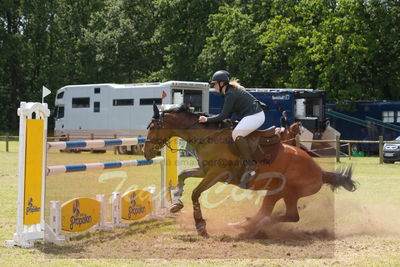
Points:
[(158, 125), (166, 141)]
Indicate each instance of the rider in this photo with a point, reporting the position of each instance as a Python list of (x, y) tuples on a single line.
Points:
[(284, 121), (247, 107)]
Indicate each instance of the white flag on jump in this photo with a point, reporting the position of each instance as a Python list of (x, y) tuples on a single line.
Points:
[(45, 92)]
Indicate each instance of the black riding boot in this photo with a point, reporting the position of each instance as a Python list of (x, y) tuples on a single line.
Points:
[(249, 164)]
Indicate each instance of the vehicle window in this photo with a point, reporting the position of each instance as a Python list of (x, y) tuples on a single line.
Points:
[(150, 101), (123, 102), (81, 102), (96, 107), (388, 116), (60, 95), (60, 112)]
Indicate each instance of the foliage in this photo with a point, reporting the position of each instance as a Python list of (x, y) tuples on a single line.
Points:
[(349, 48)]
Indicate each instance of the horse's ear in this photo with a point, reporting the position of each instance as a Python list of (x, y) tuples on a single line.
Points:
[(156, 114)]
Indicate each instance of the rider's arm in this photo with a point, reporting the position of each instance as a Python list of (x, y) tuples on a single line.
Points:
[(226, 110)]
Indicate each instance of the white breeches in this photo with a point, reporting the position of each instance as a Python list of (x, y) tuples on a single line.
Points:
[(248, 125)]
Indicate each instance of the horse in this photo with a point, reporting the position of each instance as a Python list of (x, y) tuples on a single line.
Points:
[(289, 135), (287, 172)]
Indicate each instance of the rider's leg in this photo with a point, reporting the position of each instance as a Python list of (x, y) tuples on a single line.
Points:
[(244, 149), (246, 126)]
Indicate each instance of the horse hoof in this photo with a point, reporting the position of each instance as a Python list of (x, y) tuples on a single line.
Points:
[(175, 207), (239, 225), (203, 234), (201, 228), (262, 223), (201, 231), (246, 235)]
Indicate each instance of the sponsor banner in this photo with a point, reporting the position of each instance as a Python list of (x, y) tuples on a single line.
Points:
[(281, 97), (79, 214), (33, 171), (136, 204)]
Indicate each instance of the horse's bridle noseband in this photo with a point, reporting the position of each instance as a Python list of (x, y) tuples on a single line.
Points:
[(160, 142), (158, 125)]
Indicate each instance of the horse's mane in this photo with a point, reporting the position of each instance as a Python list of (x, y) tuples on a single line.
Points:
[(182, 108), (186, 110)]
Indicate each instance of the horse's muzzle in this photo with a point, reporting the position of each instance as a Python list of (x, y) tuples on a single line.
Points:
[(149, 153)]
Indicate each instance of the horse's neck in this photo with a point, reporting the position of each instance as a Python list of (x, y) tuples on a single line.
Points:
[(203, 135)]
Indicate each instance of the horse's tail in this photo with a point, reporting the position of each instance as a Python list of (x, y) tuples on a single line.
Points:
[(341, 177)]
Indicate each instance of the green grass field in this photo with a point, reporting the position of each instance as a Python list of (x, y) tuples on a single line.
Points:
[(340, 228)]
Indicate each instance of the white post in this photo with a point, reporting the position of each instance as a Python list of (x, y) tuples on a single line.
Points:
[(55, 217), (102, 225), (44, 166), (155, 206), (116, 213), (26, 234), (53, 232), (163, 190)]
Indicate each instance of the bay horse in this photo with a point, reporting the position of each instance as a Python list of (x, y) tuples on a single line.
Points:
[(287, 172), (287, 137)]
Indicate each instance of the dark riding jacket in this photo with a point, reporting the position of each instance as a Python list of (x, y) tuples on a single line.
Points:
[(237, 101)]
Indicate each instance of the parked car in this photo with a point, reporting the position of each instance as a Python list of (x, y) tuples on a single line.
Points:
[(391, 152)]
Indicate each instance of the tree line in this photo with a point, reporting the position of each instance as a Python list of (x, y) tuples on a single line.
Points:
[(351, 48)]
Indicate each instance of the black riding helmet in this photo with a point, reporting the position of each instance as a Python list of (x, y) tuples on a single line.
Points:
[(221, 76)]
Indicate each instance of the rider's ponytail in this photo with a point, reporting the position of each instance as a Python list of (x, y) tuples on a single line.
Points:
[(236, 84)]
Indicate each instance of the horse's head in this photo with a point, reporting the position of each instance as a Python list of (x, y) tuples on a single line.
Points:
[(165, 125), (156, 137), (295, 129)]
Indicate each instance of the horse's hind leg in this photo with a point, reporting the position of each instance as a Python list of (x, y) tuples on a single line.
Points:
[(177, 203), (291, 215), (292, 212), (265, 211), (264, 217)]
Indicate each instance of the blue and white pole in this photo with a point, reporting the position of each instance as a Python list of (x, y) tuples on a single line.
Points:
[(102, 165), (96, 143)]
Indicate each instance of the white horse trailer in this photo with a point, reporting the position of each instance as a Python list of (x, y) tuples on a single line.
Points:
[(120, 110)]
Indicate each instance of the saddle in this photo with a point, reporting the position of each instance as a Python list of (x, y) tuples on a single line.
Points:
[(264, 145)]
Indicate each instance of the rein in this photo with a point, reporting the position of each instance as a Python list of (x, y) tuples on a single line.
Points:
[(160, 125), (198, 142)]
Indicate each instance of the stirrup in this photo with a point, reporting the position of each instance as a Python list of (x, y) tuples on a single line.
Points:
[(246, 177), (250, 166)]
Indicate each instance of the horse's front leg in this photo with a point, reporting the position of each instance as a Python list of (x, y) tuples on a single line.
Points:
[(211, 179), (177, 203)]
